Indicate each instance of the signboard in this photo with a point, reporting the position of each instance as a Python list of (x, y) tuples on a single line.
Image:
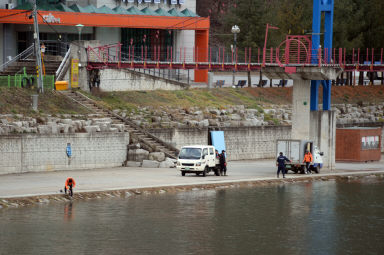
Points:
[(370, 142), (217, 140), (75, 73), (51, 19)]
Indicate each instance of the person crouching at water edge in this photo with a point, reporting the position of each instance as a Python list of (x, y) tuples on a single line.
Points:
[(69, 185), (280, 163)]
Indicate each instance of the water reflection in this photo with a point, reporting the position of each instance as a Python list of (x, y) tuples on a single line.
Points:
[(68, 211), (308, 218)]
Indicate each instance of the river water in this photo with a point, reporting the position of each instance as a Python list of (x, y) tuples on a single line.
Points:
[(306, 218)]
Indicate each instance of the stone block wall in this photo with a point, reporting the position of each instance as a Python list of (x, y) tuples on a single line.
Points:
[(179, 137), (34, 152), (242, 143), (254, 142)]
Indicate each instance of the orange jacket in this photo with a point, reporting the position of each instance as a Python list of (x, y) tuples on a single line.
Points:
[(69, 181), (308, 157)]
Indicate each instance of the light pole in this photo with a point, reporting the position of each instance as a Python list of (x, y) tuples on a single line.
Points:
[(40, 82), (265, 42), (79, 28), (235, 30)]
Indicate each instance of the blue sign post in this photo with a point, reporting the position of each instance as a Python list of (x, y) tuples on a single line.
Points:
[(320, 6)]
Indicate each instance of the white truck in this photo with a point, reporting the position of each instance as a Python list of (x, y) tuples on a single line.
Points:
[(295, 150), (198, 159)]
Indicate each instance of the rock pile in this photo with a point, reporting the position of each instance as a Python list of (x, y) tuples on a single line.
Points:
[(138, 157), (167, 117), (355, 114), (14, 124)]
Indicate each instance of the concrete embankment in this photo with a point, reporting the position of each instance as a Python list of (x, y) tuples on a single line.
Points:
[(183, 184)]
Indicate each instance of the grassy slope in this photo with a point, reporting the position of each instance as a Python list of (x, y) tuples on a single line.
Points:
[(19, 100)]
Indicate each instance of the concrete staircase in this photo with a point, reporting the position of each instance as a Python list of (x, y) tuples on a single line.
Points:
[(147, 140), (50, 67), (51, 64)]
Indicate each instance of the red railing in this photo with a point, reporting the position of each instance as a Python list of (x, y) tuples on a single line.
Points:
[(292, 52)]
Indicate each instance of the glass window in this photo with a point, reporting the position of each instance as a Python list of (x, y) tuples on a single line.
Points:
[(190, 153)]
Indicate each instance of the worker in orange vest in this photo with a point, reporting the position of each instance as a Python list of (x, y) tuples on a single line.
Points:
[(69, 185), (307, 160)]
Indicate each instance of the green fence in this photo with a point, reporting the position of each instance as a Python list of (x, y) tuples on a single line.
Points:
[(25, 80)]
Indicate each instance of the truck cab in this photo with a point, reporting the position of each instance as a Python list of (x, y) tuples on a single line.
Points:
[(198, 159)]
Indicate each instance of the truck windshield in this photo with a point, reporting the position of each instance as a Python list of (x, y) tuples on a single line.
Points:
[(190, 153)]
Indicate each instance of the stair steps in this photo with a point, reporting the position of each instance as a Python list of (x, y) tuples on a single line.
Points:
[(150, 141)]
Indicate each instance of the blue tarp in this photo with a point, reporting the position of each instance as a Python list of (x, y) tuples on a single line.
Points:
[(218, 141)]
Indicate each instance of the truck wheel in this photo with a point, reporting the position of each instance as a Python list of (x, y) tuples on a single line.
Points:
[(317, 169), (217, 172), (302, 170), (205, 171), (295, 170), (182, 173)]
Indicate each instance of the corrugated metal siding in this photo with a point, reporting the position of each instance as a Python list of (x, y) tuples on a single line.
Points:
[(349, 147)]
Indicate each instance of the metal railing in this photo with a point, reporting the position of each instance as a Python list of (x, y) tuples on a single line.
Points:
[(23, 55), (63, 65), (24, 80)]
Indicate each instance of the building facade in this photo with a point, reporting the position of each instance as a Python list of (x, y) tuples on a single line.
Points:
[(153, 24)]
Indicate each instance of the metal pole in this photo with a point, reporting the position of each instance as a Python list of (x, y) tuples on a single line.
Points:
[(40, 83), (234, 54), (265, 44)]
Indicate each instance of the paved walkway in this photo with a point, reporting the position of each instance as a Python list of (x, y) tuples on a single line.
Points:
[(50, 183)]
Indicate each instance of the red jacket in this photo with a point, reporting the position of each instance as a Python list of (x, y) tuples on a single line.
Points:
[(70, 181)]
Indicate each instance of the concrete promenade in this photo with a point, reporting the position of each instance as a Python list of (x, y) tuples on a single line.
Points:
[(121, 178)]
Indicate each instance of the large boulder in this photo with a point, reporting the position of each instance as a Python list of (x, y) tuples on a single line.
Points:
[(66, 121), (137, 155), (150, 164), (168, 163), (203, 123), (132, 164), (158, 156), (92, 129)]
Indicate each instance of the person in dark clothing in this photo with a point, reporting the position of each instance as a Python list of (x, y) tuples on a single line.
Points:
[(223, 163), (280, 163)]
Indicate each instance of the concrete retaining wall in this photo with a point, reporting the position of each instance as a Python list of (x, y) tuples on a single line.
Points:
[(241, 142), (123, 80), (33, 152)]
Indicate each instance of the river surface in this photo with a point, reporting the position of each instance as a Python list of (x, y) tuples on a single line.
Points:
[(305, 218)]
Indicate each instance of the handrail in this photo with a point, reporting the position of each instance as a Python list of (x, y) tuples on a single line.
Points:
[(62, 64), (26, 53), (133, 125)]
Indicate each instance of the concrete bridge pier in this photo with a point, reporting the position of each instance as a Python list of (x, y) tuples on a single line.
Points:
[(301, 110), (318, 126)]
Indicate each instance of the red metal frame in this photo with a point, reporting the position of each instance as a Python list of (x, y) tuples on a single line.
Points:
[(294, 53)]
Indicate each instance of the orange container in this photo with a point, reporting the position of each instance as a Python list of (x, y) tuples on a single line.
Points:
[(61, 85), (358, 144)]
